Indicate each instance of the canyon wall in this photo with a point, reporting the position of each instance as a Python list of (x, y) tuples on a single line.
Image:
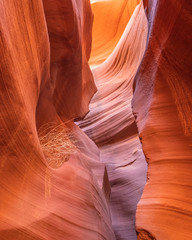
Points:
[(57, 182), (70, 33), (162, 105), (51, 178)]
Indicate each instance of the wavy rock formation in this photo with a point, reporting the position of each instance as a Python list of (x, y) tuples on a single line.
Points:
[(51, 179), (162, 104), (56, 182), (111, 125), (110, 20)]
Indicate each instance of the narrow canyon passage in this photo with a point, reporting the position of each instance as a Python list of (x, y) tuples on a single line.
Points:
[(95, 120), (110, 122)]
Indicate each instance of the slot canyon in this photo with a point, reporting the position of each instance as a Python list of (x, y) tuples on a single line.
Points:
[(95, 119)]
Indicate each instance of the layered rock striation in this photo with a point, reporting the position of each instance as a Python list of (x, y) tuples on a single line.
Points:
[(51, 178), (162, 105), (57, 182)]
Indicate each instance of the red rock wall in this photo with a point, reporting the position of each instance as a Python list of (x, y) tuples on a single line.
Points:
[(70, 29), (162, 105), (51, 178)]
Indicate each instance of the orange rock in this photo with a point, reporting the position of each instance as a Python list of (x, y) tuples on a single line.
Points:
[(162, 105), (51, 178), (110, 20)]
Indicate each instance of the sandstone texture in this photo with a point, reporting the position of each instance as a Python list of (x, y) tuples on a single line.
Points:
[(51, 178), (162, 105), (95, 120), (69, 25)]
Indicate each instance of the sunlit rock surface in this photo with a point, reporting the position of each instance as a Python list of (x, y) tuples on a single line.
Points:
[(110, 20), (162, 105), (51, 178), (111, 125)]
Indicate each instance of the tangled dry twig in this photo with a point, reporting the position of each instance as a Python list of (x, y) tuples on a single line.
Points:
[(57, 143)]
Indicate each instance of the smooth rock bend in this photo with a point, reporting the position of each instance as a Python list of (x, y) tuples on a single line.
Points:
[(110, 20)]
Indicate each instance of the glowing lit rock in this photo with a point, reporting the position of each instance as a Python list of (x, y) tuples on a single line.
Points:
[(110, 20)]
